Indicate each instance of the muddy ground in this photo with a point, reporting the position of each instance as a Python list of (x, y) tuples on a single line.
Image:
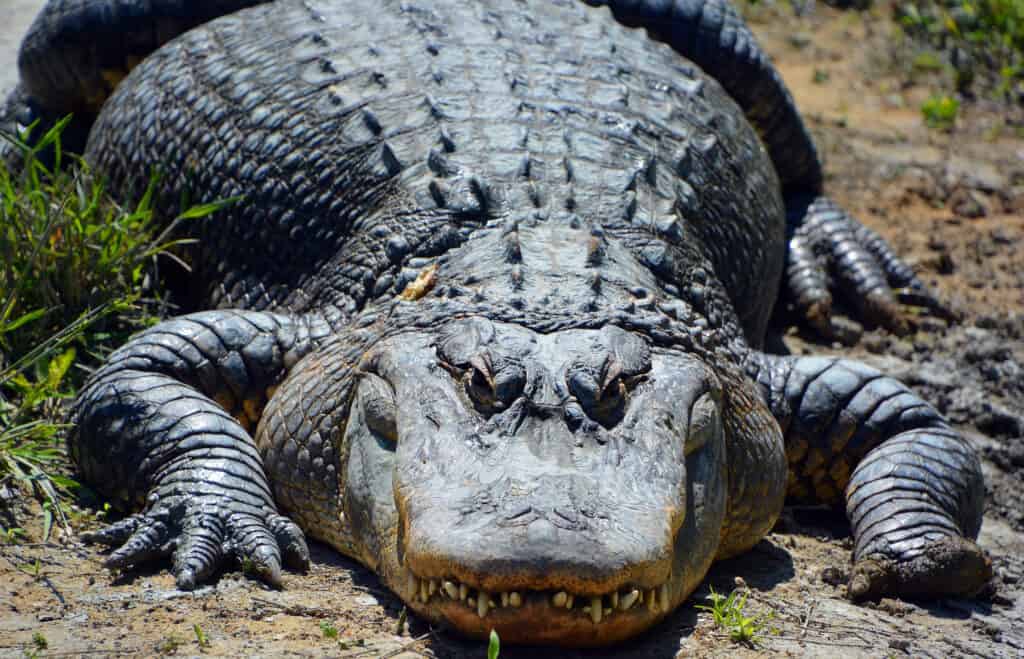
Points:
[(951, 203)]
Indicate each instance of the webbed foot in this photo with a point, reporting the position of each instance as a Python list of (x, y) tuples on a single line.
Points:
[(949, 567), (201, 536), (915, 507), (830, 250)]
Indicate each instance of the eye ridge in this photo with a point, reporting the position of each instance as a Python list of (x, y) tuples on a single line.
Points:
[(703, 415), (480, 387), (379, 407)]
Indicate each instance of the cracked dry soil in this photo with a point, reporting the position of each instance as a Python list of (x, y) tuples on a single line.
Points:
[(951, 203)]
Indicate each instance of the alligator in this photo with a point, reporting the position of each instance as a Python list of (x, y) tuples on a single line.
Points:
[(490, 318)]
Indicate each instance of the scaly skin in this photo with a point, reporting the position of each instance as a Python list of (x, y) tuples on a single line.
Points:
[(489, 316)]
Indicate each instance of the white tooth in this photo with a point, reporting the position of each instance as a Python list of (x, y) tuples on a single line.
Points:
[(424, 590), (595, 609), (451, 590), (504, 599), (463, 591), (515, 599), (641, 598), (663, 597), (608, 612), (413, 585), (481, 604), (471, 601), (432, 588), (652, 603), (615, 599), (569, 600), (629, 599), (559, 598)]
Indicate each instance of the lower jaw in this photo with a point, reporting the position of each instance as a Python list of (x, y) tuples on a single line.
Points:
[(540, 617), (538, 623)]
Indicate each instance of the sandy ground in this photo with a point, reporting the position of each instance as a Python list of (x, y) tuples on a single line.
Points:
[(951, 203)]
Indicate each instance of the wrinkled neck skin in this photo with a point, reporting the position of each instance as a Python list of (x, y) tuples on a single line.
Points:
[(526, 452)]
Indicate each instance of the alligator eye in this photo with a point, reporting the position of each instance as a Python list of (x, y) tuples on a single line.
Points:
[(480, 384), (480, 388), (703, 422), (612, 395), (493, 386), (603, 394), (379, 409)]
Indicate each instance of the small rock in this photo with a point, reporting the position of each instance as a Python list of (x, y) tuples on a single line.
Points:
[(902, 349), (990, 349), (895, 101), (1014, 202), (995, 420), (800, 40), (1000, 237), (901, 644), (876, 343), (969, 203), (944, 264), (834, 576)]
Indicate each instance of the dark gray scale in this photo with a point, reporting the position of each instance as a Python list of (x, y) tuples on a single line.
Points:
[(367, 113)]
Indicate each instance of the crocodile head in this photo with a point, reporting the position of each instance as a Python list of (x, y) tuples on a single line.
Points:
[(561, 488)]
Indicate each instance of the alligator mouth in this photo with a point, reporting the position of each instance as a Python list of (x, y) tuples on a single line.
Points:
[(595, 607), (526, 615)]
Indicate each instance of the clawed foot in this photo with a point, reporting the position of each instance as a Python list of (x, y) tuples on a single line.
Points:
[(829, 250), (200, 537), (950, 567)]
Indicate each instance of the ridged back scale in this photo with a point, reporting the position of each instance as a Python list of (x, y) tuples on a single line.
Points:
[(368, 136)]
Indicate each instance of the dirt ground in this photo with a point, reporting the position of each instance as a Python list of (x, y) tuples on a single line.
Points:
[(951, 203)]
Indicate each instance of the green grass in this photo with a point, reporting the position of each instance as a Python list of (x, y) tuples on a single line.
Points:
[(202, 640), (940, 111), (982, 41), (493, 645), (727, 614), (73, 265), (328, 629)]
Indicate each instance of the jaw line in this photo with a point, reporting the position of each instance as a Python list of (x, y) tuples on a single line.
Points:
[(543, 616)]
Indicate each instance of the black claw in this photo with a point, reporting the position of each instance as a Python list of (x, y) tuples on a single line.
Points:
[(917, 295), (199, 552), (879, 306), (147, 543), (294, 550), (116, 533), (266, 564), (186, 580)]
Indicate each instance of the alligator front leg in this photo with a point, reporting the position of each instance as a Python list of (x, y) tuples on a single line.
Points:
[(913, 486), (165, 426)]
